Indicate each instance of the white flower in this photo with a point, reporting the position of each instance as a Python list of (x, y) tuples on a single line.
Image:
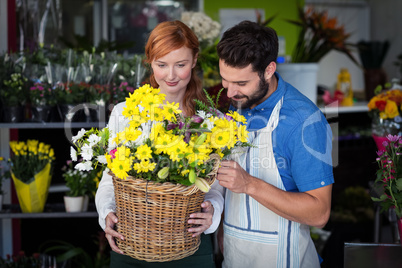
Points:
[(84, 166), (79, 135), (100, 102), (203, 26), (93, 139), (87, 152), (102, 159), (146, 132), (201, 114), (73, 154)]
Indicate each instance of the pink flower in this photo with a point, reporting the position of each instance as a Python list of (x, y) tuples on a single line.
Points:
[(112, 153)]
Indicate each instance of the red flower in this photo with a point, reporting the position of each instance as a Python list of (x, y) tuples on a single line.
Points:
[(381, 105)]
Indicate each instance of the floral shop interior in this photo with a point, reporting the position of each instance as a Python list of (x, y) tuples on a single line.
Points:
[(64, 65)]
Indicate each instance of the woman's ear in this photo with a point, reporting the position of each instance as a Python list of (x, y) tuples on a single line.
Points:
[(195, 60)]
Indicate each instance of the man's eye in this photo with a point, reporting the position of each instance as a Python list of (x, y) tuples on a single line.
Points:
[(241, 84)]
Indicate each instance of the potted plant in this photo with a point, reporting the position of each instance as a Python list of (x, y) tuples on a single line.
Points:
[(318, 35), (13, 96), (31, 171), (42, 101), (82, 186)]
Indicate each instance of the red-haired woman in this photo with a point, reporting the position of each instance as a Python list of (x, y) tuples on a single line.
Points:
[(171, 50)]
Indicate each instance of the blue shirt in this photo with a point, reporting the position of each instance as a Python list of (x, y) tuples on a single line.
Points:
[(302, 141)]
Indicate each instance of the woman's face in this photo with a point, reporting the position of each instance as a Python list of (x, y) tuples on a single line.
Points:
[(173, 71)]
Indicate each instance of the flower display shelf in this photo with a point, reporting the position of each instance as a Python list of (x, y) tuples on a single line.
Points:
[(51, 211)]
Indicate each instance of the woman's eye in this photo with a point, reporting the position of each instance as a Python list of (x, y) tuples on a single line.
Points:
[(181, 65), (161, 65)]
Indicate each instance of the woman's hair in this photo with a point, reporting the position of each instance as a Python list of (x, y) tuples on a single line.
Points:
[(249, 43), (167, 37)]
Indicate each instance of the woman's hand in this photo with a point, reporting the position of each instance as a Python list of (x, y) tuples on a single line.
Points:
[(111, 221), (203, 219)]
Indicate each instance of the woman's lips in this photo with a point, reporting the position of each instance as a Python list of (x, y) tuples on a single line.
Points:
[(171, 84)]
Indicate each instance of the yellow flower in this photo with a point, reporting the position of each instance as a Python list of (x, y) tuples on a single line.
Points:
[(122, 153), (391, 109), (237, 117), (371, 105), (143, 152), (144, 166), (132, 133), (170, 110), (121, 167)]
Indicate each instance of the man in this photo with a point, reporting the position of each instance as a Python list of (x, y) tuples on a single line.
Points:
[(282, 185)]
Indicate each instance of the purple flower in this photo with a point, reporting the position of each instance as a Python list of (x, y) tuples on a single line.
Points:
[(197, 119), (393, 137), (181, 125), (385, 143), (187, 136), (171, 126), (380, 153), (227, 117)]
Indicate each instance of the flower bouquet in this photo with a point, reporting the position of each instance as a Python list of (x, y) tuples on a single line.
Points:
[(389, 180), (385, 111), (31, 170), (160, 160)]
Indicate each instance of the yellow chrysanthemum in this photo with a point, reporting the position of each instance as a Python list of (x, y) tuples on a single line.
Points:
[(122, 153), (177, 152), (144, 166), (143, 152), (162, 143), (121, 167), (170, 110), (237, 117), (131, 133)]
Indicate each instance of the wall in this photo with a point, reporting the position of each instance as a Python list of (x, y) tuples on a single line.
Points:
[(386, 25), (285, 9)]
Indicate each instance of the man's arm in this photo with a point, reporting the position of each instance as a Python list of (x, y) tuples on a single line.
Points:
[(311, 208)]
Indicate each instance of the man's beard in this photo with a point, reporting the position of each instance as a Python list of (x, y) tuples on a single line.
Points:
[(263, 88)]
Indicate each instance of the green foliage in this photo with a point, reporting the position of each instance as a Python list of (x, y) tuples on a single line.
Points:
[(21, 261)]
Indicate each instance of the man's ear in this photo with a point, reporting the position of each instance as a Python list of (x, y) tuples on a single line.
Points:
[(270, 70)]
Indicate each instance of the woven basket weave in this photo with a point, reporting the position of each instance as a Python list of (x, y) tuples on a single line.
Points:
[(153, 217)]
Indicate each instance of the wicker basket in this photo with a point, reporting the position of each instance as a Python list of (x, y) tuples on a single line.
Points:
[(153, 217)]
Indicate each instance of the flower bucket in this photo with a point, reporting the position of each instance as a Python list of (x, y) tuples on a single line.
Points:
[(378, 141), (32, 196)]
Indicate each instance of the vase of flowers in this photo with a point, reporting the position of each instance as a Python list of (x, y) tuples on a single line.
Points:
[(160, 154), (389, 180), (385, 111), (31, 171), (318, 35)]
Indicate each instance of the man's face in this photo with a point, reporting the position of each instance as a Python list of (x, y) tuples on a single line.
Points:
[(245, 88)]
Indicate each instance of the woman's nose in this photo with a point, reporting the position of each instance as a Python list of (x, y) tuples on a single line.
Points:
[(171, 74)]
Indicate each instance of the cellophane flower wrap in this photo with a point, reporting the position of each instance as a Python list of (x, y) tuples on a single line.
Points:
[(159, 143), (385, 111), (31, 170), (389, 175)]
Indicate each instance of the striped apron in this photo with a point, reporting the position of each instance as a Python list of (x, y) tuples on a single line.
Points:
[(254, 236)]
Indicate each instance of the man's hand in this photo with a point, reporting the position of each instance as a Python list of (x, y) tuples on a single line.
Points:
[(232, 176), (203, 219), (110, 233)]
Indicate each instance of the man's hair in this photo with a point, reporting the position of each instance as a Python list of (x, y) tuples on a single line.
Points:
[(249, 42)]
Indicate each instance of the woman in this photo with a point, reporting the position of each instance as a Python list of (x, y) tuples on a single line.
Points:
[(172, 51)]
